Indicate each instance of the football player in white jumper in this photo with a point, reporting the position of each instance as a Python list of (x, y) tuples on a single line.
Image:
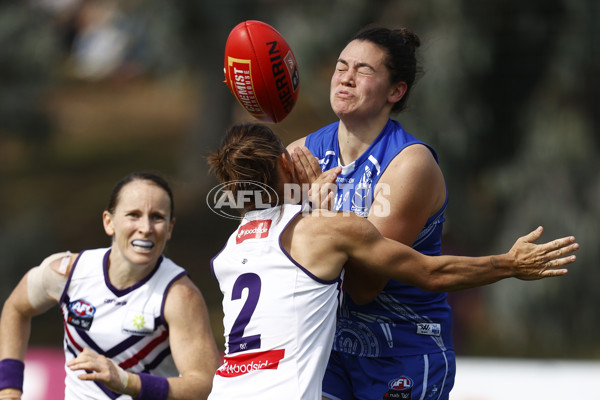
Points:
[(280, 272), (135, 324)]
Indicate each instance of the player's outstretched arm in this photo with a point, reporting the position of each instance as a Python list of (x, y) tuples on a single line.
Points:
[(525, 260)]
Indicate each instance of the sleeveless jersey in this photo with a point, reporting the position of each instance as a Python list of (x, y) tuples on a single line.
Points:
[(125, 325), (402, 320), (279, 319)]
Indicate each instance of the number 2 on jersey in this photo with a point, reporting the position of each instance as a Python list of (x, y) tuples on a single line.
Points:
[(237, 340)]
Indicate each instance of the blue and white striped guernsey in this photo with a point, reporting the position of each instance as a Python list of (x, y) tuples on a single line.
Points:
[(403, 320)]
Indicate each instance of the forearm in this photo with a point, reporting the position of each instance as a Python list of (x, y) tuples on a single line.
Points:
[(453, 273), (14, 336), (15, 328), (190, 386)]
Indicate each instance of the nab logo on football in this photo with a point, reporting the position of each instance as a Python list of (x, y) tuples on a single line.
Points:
[(81, 314)]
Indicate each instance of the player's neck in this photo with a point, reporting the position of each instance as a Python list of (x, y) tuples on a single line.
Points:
[(123, 275), (354, 138)]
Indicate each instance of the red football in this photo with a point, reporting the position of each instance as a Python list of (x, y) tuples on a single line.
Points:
[(261, 71)]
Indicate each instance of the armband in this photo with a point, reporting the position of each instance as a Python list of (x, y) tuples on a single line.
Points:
[(11, 374), (153, 387)]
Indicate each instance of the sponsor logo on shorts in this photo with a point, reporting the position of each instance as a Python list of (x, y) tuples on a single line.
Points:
[(429, 329), (245, 363), (258, 229), (400, 388), (81, 314)]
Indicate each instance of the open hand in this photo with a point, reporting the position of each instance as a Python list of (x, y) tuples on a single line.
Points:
[(306, 165), (322, 185), (536, 261)]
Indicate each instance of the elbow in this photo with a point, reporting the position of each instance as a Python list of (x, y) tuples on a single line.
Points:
[(434, 283), (438, 287)]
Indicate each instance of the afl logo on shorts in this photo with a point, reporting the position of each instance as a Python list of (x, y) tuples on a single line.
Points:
[(81, 314), (400, 388)]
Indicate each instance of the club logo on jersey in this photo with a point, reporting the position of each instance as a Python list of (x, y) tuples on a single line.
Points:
[(245, 363), (399, 388), (81, 314), (258, 229)]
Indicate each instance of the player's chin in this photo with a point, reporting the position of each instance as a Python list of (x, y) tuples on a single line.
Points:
[(343, 106), (344, 112), (144, 256)]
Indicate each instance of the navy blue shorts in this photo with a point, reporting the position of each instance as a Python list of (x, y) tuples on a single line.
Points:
[(422, 377)]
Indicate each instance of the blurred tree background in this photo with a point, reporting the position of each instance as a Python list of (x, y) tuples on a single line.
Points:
[(93, 89)]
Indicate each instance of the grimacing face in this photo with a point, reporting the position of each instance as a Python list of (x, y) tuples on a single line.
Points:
[(141, 223), (360, 85)]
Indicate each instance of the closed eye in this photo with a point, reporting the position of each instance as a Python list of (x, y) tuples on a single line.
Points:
[(365, 69), (341, 66)]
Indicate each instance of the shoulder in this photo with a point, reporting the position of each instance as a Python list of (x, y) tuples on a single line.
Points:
[(416, 160), (169, 270), (337, 228), (61, 263), (182, 288), (321, 241), (182, 297), (296, 143), (411, 190), (315, 137)]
